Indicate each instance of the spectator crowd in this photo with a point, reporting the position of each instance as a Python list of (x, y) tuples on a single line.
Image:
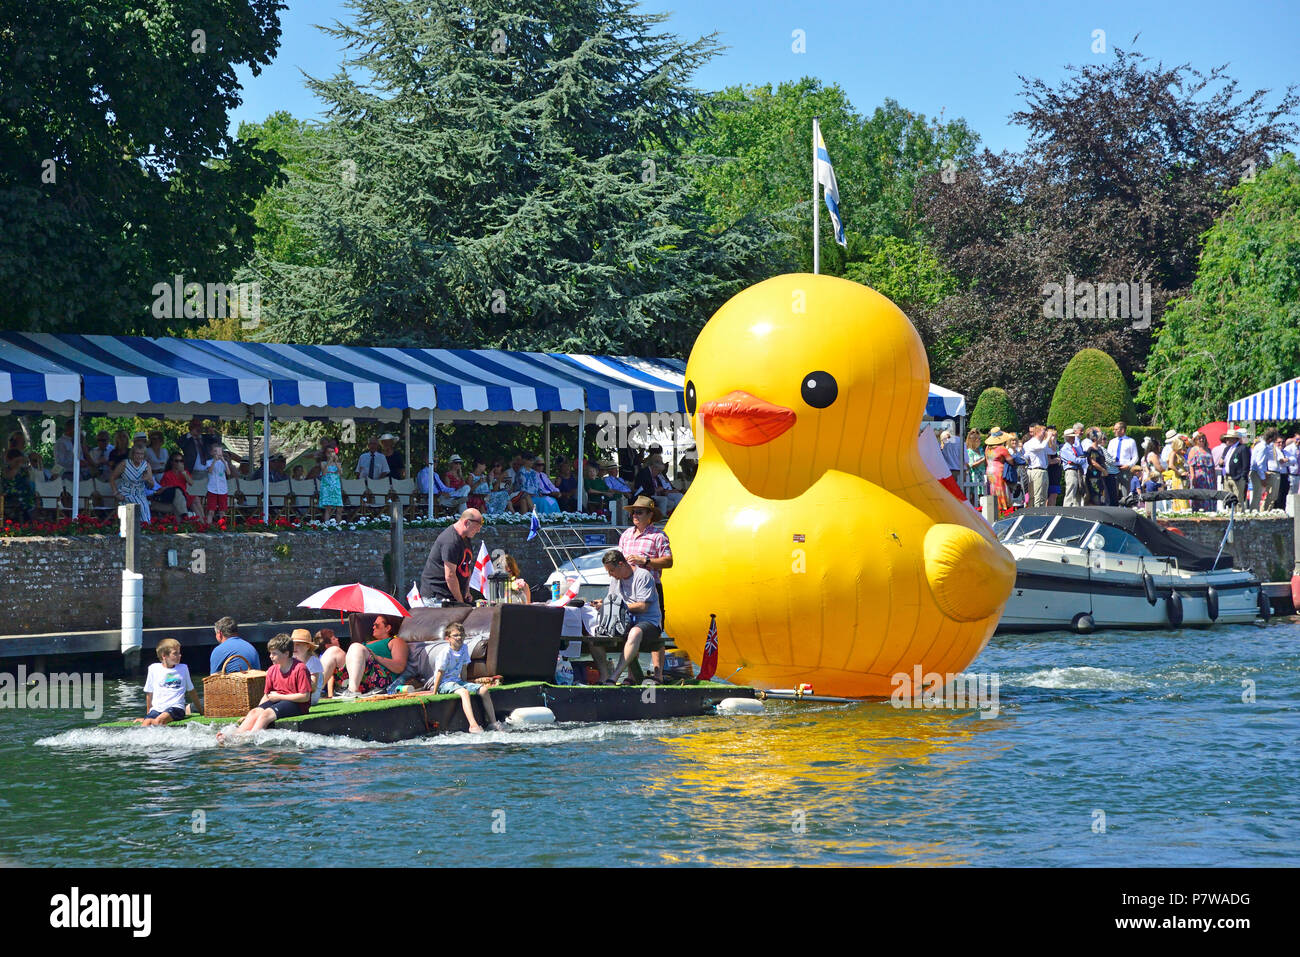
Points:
[(1086, 466), (199, 477)]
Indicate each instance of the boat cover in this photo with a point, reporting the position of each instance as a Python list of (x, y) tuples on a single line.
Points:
[(1191, 555)]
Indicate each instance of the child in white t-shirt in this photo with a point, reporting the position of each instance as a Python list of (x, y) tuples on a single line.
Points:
[(218, 487), (167, 686), (448, 666)]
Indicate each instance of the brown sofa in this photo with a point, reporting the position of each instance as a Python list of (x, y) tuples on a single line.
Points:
[(522, 640)]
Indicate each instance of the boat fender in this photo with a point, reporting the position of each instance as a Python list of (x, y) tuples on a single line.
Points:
[(1265, 609), (1174, 608), (531, 716), (1149, 586), (1083, 623), (740, 706), (1212, 603)]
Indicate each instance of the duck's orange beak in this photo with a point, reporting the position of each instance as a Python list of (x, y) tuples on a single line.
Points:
[(744, 419)]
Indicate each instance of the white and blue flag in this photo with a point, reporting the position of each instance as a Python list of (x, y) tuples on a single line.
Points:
[(826, 177), (534, 526)]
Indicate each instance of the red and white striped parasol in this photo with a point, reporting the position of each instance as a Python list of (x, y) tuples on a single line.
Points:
[(356, 597)]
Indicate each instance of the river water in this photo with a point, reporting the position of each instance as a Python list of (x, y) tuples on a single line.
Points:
[(1120, 748)]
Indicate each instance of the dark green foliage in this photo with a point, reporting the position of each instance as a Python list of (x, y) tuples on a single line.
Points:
[(1128, 163), (994, 408), (116, 168), (1238, 331), (1091, 390), (504, 177)]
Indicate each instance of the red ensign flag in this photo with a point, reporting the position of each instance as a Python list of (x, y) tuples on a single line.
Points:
[(710, 663)]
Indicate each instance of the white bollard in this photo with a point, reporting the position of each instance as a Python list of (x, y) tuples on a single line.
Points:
[(132, 611)]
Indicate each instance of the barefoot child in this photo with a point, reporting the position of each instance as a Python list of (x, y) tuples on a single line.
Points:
[(449, 664), (167, 686), (288, 689)]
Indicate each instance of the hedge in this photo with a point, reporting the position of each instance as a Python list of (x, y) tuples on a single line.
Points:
[(1091, 390), (994, 408)]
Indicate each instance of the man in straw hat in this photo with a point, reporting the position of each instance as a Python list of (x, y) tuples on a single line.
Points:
[(645, 546)]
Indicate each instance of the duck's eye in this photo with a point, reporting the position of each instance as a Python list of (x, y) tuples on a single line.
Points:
[(690, 398), (819, 389)]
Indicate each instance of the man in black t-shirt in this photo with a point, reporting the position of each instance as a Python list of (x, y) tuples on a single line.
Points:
[(451, 560)]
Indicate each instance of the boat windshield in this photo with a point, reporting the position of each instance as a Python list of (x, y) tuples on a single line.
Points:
[(585, 563), (1070, 531), (1022, 528), (1108, 538)]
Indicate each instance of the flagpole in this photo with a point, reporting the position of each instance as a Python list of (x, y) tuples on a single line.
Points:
[(816, 216)]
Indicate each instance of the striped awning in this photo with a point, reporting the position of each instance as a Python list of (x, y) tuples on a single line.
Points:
[(168, 376), (29, 380), (944, 403), (116, 374), (1281, 403)]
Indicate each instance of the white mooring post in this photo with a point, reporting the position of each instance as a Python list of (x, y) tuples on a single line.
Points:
[(132, 592)]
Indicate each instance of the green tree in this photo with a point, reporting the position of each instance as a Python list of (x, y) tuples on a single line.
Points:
[(116, 168), (1128, 163), (994, 407), (764, 139), (1238, 331), (506, 177), (1091, 390)]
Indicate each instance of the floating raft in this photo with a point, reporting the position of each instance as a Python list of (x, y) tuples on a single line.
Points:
[(414, 715)]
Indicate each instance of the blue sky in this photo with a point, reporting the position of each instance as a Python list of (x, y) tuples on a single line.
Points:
[(959, 58)]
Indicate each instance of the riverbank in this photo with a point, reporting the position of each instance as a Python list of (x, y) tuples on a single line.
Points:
[(74, 584)]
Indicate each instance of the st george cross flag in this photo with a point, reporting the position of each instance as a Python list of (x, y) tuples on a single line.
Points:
[(534, 526), (825, 175), (413, 599), (478, 578), (710, 663)]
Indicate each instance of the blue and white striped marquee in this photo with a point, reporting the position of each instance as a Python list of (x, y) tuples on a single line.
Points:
[(171, 377), (1281, 403), (116, 374)]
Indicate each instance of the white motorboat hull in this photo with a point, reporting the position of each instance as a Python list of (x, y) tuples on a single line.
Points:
[(1065, 579), (1049, 601)]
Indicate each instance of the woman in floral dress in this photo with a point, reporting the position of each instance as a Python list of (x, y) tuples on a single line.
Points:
[(331, 485), (998, 457), (1200, 462)]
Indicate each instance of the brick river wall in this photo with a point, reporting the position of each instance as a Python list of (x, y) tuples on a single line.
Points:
[(75, 583), (1262, 545)]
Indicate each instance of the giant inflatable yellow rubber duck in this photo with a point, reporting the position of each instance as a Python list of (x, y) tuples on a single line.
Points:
[(814, 530)]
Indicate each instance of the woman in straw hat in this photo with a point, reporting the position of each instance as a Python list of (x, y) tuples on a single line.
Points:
[(997, 456)]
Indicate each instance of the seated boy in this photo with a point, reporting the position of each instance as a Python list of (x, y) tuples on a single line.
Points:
[(448, 666), (167, 686), (288, 688)]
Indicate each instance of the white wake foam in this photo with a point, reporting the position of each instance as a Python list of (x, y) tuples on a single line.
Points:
[(1079, 678), (201, 737)]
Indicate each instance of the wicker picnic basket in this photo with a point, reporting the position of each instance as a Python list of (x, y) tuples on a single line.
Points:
[(232, 695)]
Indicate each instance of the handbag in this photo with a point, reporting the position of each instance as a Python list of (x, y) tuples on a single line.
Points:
[(614, 620)]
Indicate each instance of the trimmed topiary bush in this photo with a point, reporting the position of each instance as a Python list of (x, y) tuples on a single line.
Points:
[(1092, 390), (994, 408)]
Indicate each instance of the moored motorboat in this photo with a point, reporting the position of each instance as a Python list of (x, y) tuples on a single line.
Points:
[(1095, 567)]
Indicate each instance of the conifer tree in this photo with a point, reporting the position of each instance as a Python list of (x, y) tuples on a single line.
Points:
[(502, 175)]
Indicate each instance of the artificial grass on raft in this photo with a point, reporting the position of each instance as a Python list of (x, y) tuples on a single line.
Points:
[(333, 707)]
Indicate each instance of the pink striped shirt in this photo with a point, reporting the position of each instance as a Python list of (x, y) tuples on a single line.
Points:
[(651, 543)]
